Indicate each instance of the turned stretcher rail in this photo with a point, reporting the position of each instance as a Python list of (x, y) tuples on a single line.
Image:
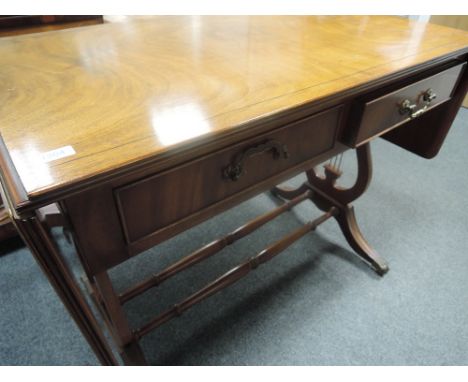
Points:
[(234, 274), (209, 249)]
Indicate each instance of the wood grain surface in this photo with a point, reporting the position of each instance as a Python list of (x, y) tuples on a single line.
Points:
[(121, 93)]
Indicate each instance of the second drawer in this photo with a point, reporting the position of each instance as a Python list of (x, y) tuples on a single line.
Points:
[(384, 113)]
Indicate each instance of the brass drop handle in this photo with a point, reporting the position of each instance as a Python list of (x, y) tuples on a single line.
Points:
[(406, 107), (235, 170)]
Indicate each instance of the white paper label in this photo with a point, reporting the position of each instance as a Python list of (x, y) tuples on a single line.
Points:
[(59, 153)]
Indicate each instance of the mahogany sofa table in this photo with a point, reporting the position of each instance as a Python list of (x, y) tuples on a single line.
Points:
[(138, 131)]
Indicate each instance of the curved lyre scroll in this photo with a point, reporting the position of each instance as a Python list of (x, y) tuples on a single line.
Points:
[(327, 194)]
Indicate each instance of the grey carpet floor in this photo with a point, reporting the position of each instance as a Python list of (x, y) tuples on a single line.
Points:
[(315, 304)]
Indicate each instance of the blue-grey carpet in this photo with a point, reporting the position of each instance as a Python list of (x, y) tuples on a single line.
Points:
[(315, 304)]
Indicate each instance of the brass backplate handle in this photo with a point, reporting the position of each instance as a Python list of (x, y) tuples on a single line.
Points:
[(406, 107), (235, 170)]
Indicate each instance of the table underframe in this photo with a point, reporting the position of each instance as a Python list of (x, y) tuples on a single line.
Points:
[(323, 191)]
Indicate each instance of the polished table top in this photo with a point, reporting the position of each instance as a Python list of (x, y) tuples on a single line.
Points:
[(120, 93)]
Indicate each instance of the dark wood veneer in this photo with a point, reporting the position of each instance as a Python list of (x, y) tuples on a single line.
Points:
[(117, 201), (131, 213)]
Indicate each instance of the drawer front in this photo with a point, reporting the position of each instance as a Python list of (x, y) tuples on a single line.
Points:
[(153, 203), (391, 110)]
